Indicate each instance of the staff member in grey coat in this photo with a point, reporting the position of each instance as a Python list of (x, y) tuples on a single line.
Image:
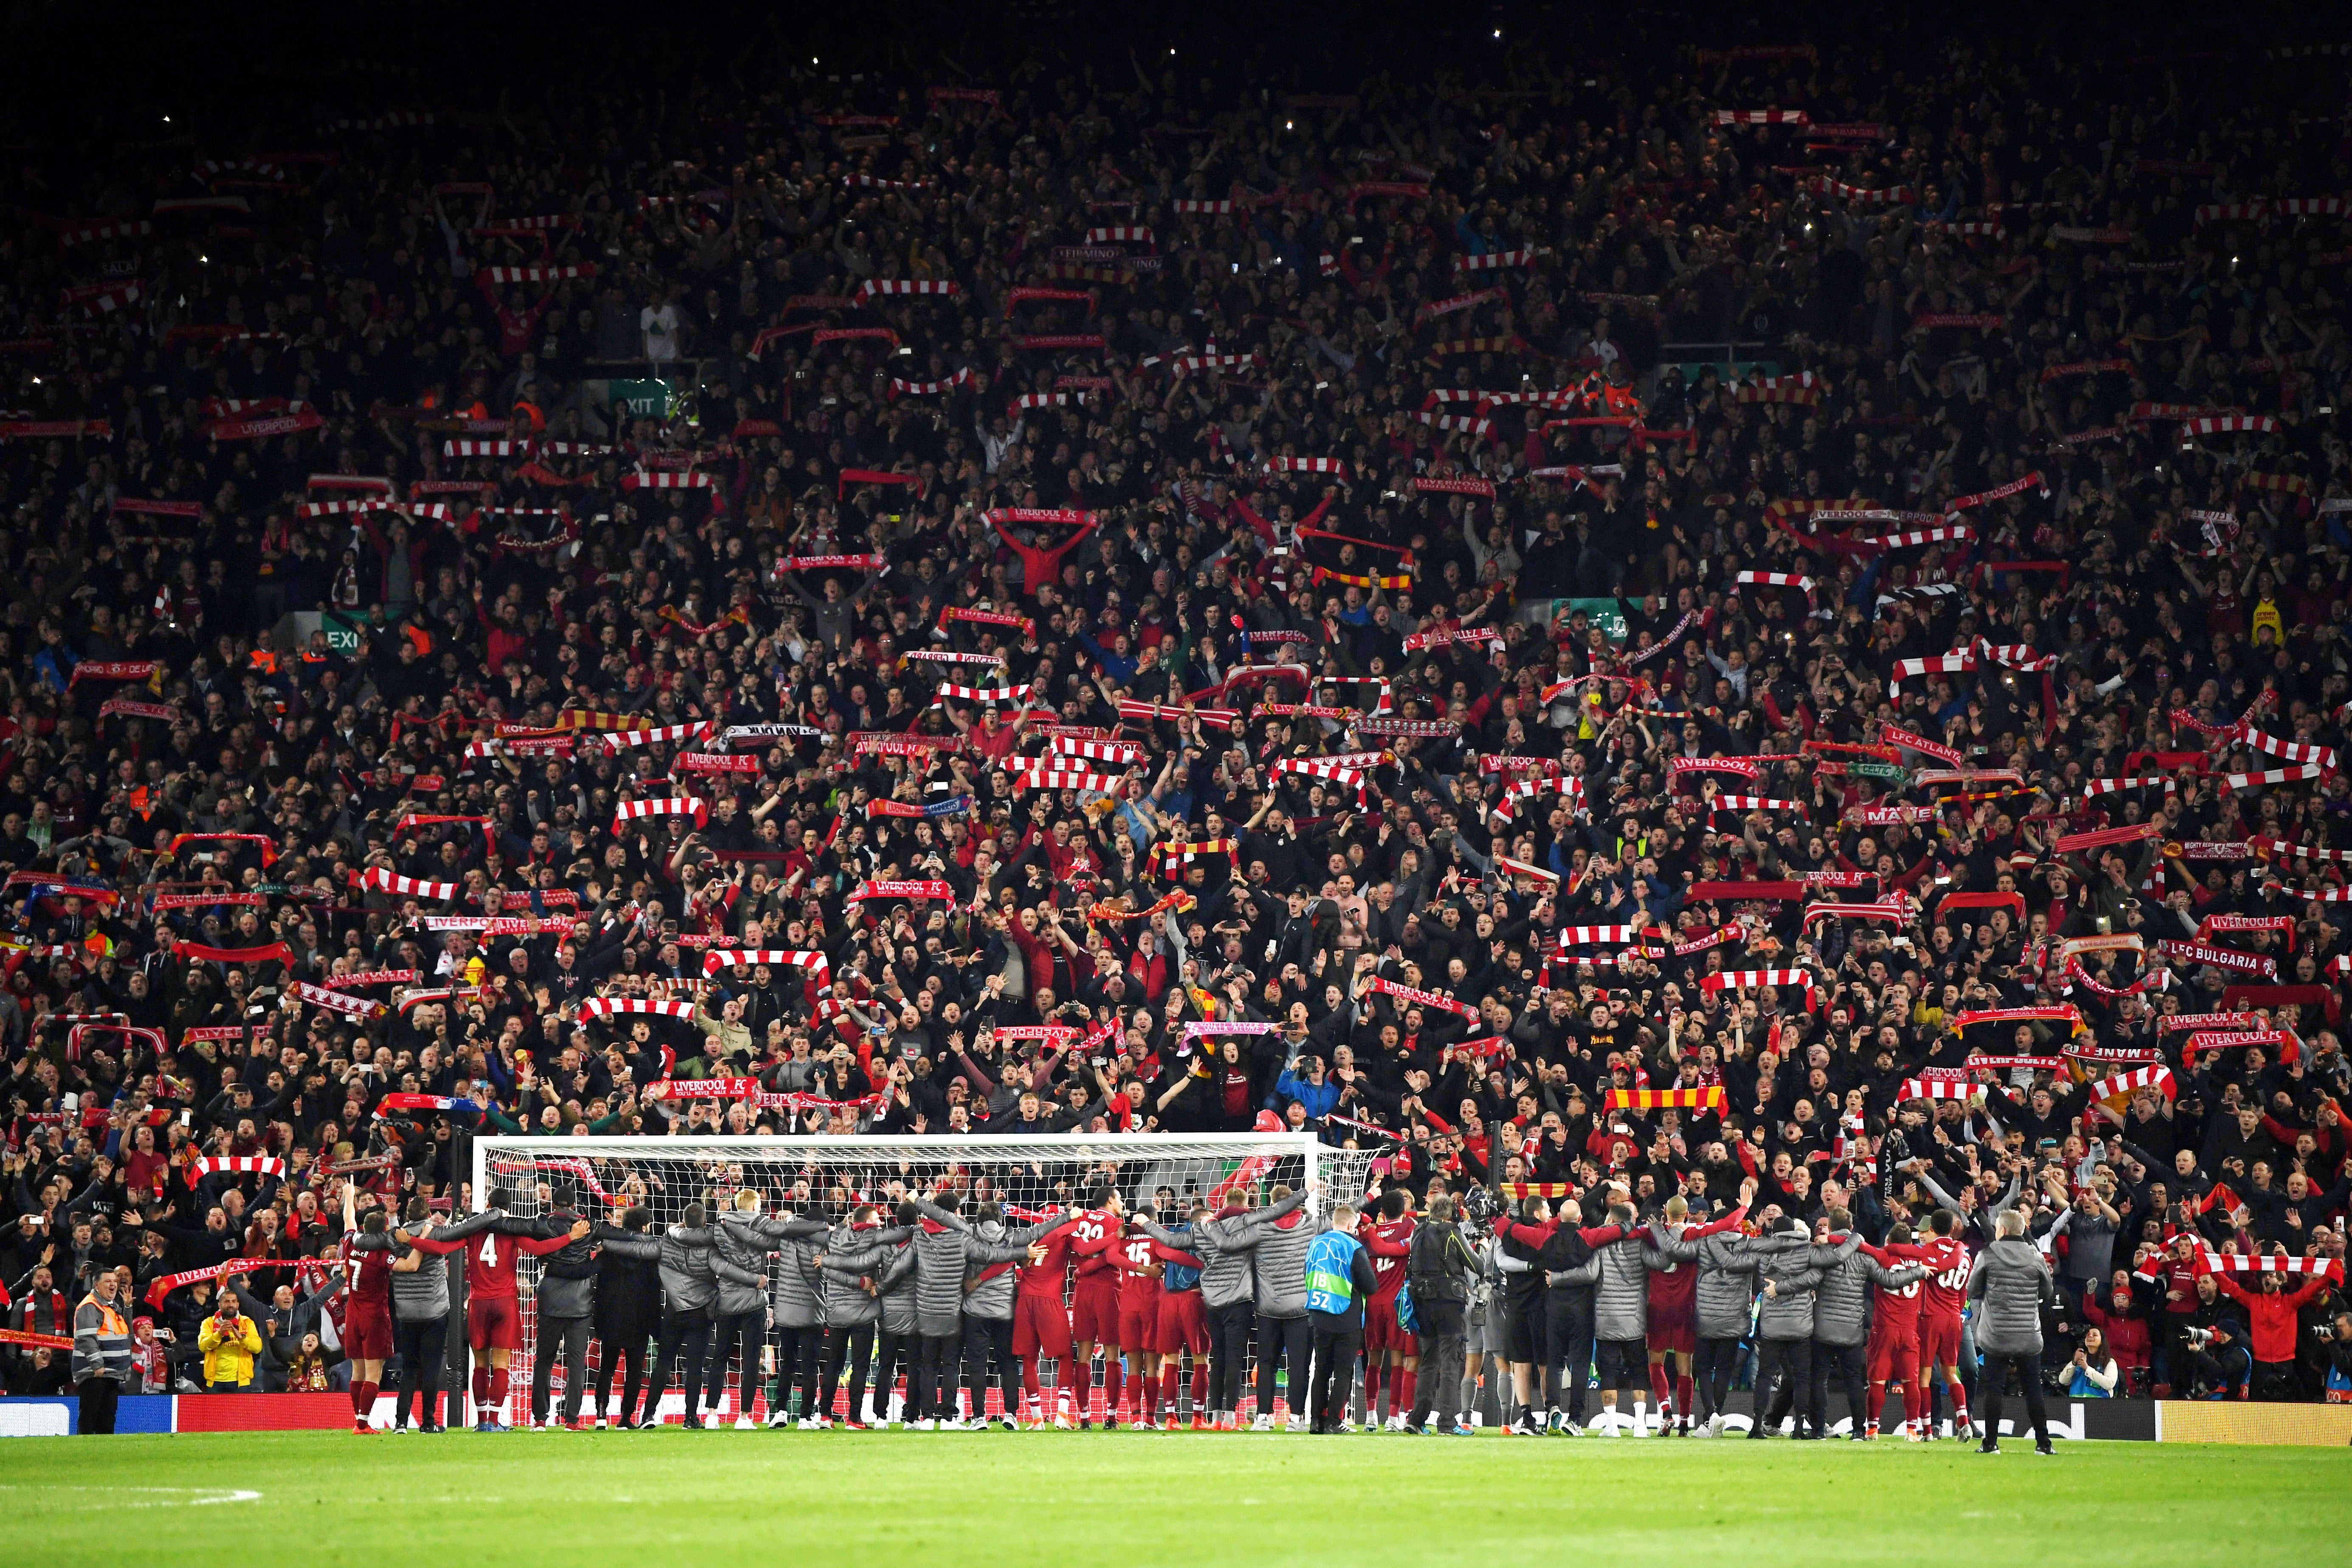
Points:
[(855, 1255), (893, 1347), (1841, 1321), (1228, 1294), (1278, 1249), (1724, 1301), (793, 1294), (943, 1257), (1791, 1275), (2013, 1285)]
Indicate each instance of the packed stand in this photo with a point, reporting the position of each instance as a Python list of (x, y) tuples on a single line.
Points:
[(1684, 617)]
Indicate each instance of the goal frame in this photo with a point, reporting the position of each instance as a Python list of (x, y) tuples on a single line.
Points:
[(1321, 1167), (1315, 1156)]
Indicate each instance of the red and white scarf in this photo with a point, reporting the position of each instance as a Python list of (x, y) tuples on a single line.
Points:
[(667, 806), (376, 879)]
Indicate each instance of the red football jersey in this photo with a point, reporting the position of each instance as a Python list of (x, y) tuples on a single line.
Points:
[(1049, 1277), (1897, 1310), (1673, 1289), (1388, 1243), (1139, 1267), (490, 1265), (1946, 1289), (1093, 1239), (368, 1276)]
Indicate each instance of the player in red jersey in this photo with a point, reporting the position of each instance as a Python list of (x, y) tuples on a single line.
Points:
[(1672, 1318), (1139, 1326), (1041, 1323), (493, 1240), (1094, 1298), (1943, 1293), (1672, 1321), (1893, 1349), (1391, 1356), (367, 1321), (1183, 1318)]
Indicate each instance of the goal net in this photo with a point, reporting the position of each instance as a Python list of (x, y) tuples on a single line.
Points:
[(1159, 1174)]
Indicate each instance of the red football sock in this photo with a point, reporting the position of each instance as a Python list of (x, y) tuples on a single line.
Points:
[(363, 1401), (1683, 1397), (1878, 1400), (1959, 1401), (1168, 1378), (1375, 1375), (1029, 1385), (481, 1390), (499, 1385), (1200, 1385), (1658, 1382), (1407, 1382), (1111, 1386)]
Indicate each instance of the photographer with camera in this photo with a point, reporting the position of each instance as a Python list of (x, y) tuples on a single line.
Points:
[(1441, 1265), (230, 1342), (2213, 1343)]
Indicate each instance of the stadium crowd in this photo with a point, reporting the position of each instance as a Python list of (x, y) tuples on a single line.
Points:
[(1757, 634)]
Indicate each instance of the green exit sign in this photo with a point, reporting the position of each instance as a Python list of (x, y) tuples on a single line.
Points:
[(342, 633), (645, 399)]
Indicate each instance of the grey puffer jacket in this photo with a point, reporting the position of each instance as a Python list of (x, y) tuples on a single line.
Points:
[(1278, 1261), (2015, 1284), (1841, 1302), (1725, 1297), (991, 1298), (986, 1295), (944, 1254), (1789, 1264), (851, 1254), (795, 1287), (1222, 1243), (898, 1283), (1620, 1300), (689, 1265)]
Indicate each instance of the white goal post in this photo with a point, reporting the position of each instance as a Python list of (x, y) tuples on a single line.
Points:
[(602, 1177)]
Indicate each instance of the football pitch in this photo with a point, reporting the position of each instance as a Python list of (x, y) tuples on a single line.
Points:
[(1124, 1499)]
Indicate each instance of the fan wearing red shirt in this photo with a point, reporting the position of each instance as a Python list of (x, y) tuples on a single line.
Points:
[(493, 1312), (1943, 1293), (367, 1321), (1094, 1300), (1138, 1325), (1391, 1356), (1041, 1323), (1894, 1350)]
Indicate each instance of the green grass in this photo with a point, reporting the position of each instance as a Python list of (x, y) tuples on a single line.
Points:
[(682, 1499)]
